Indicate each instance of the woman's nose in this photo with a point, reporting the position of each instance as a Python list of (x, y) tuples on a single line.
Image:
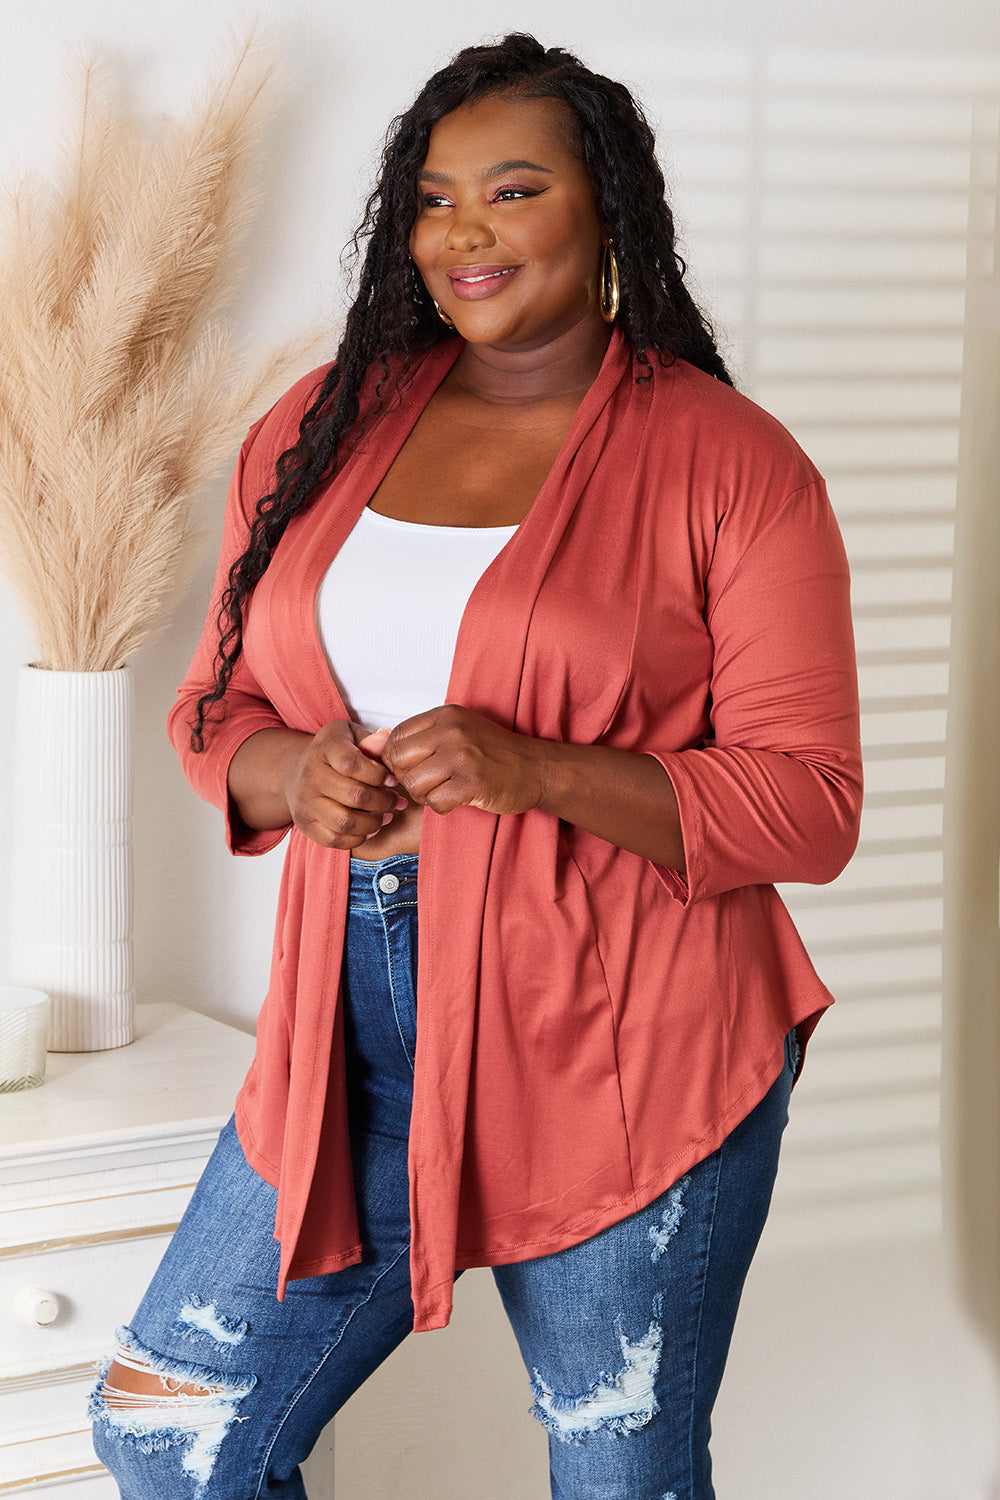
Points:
[(469, 229)]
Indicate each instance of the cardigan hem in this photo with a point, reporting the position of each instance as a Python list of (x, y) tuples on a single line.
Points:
[(646, 1192), (299, 1270), (255, 1157)]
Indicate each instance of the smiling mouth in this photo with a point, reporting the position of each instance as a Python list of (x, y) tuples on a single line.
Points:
[(486, 275), (482, 275), (473, 283)]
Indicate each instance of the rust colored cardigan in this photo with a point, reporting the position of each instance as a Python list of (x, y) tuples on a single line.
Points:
[(591, 1025)]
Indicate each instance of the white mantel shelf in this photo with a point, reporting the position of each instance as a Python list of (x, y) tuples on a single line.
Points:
[(96, 1167)]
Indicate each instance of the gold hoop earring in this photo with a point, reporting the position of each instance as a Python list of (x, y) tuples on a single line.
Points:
[(443, 315), (610, 291)]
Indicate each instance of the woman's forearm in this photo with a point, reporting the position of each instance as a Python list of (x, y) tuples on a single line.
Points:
[(258, 775), (619, 795)]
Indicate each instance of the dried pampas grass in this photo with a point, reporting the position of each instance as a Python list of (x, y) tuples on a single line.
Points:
[(121, 384)]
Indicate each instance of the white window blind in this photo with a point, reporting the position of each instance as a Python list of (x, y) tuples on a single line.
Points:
[(824, 204)]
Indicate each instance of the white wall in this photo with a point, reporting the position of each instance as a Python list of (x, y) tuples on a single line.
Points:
[(853, 1371)]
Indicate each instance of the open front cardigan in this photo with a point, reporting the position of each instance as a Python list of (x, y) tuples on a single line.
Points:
[(590, 1025)]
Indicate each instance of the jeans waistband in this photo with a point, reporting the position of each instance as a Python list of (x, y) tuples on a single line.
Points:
[(384, 882)]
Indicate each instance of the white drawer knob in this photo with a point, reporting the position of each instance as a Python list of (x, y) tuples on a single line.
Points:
[(38, 1306)]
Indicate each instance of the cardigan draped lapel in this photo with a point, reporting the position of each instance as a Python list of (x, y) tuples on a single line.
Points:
[(486, 675)]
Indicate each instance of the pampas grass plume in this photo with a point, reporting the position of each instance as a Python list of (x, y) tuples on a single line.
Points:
[(122, 387)]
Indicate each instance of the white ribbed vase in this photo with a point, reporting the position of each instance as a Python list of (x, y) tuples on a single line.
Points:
[(71, 906)]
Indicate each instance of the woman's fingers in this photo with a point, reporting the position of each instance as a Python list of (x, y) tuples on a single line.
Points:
[(373, 742), (338, 794), (451, 757)]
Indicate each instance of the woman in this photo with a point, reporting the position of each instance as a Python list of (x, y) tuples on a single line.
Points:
[(523, 558)]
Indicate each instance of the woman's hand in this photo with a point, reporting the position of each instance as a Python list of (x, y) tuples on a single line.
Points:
[(332, 785), (451, 757), (338, 791)]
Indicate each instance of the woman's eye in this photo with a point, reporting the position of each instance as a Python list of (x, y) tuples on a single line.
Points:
[(433, 200), (507, 194)]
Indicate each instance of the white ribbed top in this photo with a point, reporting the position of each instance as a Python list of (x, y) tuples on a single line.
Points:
[(389, 608)]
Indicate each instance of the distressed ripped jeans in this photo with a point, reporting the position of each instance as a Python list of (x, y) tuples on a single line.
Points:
[(624, 1337)]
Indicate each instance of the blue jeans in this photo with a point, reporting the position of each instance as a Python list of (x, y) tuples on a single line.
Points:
[(624, 1336)]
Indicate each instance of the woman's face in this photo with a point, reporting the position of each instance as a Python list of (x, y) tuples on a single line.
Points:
[(507, 237)]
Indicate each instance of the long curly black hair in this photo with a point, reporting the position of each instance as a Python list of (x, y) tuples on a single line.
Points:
[(392, 319)]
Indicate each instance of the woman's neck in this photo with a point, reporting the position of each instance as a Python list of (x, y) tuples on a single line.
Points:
[(565, 366)]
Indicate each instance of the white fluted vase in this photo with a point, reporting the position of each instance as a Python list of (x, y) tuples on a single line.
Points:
[(71, 906)]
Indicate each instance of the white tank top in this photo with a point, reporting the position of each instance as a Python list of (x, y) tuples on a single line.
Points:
[(389, 607)]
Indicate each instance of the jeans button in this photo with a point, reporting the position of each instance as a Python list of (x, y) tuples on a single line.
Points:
[(388, 883)]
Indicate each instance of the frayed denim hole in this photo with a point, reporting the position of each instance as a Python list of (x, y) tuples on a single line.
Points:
[(670, 1219), (154, 1422), (620, 1404), (179, 1369), (200, 1318)]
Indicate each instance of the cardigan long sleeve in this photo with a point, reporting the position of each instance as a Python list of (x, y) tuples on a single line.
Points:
[(591, 1025), (773, 795), (245, 708)]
